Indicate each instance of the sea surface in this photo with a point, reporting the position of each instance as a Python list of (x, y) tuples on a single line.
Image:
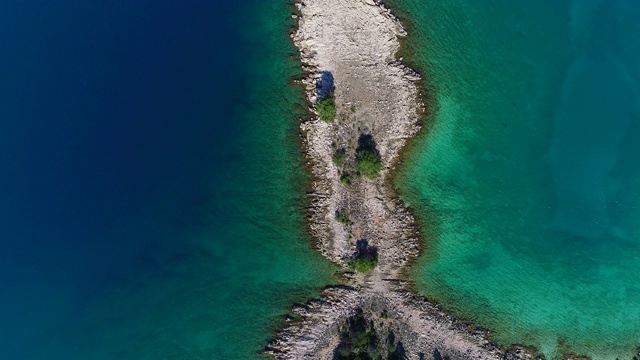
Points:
[(527, 180), (152, 188)]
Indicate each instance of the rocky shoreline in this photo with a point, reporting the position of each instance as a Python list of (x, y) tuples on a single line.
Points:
[(376, 97)]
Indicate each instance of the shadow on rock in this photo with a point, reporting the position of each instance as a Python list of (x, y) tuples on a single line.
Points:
[(366, 142), (365, 251), (325, 85), (438, 356)]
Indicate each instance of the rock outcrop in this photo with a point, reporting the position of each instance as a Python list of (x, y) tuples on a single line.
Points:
[(356, 42)]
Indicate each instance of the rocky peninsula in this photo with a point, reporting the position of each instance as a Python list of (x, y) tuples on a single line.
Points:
[(348, 48)]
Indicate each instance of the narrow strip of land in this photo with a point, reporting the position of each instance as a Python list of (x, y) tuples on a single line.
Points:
[(349, 48)]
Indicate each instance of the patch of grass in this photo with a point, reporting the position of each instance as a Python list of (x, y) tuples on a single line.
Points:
[(345, 178), (342, 218), (363, 265), (340, 157), (327, 109), (368, 163), (365, 258)]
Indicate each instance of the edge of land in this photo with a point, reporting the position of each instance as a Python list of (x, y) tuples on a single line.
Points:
[(354, 44)]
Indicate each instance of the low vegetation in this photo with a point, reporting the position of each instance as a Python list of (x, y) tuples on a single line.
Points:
[(340, 157), (342, 218), (345, 178), (327, 108), (363, 265), (359, 340), (368, 163), (365, 259)]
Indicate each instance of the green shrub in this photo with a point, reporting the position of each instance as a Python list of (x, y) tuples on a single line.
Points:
[(345, 178), (342, 218), (340, 157), (368, 163), (327, 109), (363, 265), (365, 258), (358, 340)]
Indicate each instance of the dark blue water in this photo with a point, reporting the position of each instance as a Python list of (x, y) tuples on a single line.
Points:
[(119, 123)]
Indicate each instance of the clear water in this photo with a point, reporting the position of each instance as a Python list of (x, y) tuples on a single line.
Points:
[(152, 189), (528, 181)]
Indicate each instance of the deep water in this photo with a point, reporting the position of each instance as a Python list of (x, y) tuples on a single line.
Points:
[(152, 189), (528, 179)]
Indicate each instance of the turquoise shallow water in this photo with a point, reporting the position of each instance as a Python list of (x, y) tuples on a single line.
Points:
[(528, 180), (153, 191)]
